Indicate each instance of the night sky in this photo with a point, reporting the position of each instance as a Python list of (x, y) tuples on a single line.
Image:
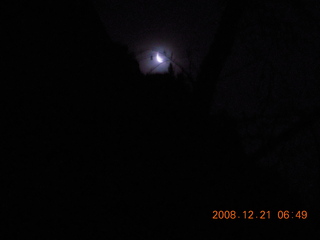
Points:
[(171, 26), (93, 147)]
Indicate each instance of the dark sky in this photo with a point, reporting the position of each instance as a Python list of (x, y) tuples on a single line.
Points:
[(171, 26)]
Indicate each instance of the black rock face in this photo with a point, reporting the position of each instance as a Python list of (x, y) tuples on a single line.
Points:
[(261, 72), (67, 85)]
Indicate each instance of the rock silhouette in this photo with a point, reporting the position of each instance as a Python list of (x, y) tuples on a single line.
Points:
[(255, 75)]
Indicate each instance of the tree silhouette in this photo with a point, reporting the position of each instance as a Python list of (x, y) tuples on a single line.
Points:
[(170, 69)]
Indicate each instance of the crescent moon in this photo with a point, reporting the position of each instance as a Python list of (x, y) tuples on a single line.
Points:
[(159, 59)]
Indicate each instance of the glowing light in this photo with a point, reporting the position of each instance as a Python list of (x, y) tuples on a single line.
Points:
[(159, 59)]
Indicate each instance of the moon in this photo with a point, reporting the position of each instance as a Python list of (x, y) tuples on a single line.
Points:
[(159, 59)]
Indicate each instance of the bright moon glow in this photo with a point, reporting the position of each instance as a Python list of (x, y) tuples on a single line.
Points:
[(159, 59)]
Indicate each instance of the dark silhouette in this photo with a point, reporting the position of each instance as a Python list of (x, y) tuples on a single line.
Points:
[(214, 62), (69, 95), (94, 147), (247, 74), (170, 69)]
